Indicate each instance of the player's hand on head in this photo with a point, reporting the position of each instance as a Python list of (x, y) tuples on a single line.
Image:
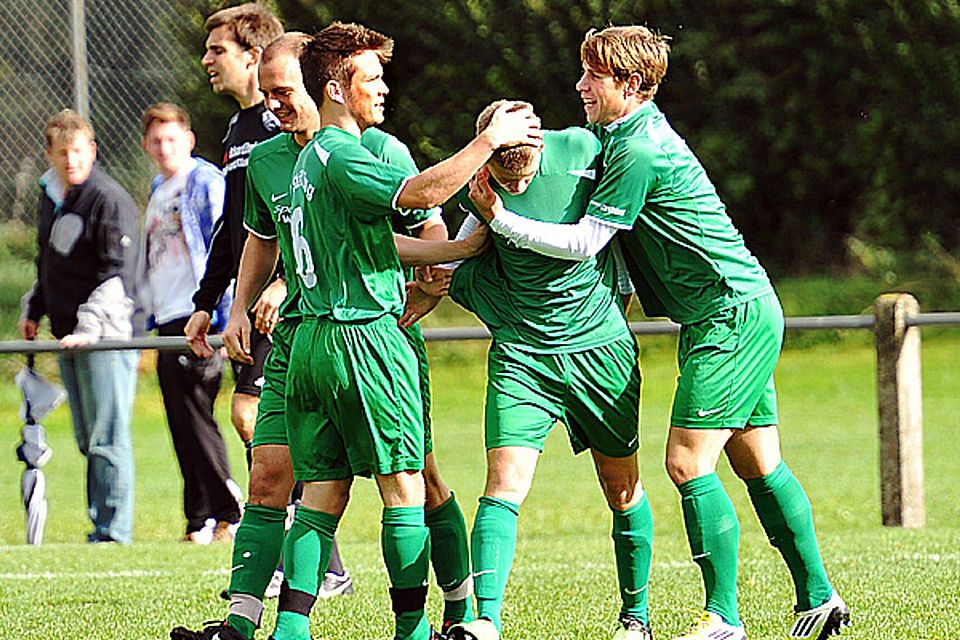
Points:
[(418, 304), (267, 310), (512, 125), (196, 332), (236, 338)]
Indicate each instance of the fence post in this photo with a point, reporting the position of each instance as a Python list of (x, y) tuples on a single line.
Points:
[(899, 397)]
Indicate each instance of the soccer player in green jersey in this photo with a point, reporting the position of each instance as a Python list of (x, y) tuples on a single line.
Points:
[(689, 262), (260, 537), (558, 329), (354, 403)]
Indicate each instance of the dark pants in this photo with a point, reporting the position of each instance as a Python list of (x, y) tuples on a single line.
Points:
[(189, 386)]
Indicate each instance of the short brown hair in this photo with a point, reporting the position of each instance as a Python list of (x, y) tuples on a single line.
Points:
[(252, 24), (164, 112), (289, 44), (517, 159), (622, 51), (65, 125), (329, 54)]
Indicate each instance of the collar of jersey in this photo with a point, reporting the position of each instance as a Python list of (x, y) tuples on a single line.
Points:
[(646, 109)]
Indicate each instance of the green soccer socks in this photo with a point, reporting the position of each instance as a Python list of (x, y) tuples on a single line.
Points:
[(632, 548), (405, 542), (786, 517), (306, 555), (450, 557), (256, 552), (713, 532), (493, 543)]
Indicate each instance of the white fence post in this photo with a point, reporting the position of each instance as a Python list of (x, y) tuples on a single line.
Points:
[(899, 397)]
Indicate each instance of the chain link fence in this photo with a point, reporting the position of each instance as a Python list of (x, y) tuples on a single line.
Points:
[(132, 56)]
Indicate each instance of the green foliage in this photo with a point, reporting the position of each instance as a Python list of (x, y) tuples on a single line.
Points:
[(816, 119)]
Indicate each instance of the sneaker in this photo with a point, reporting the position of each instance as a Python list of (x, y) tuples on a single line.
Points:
[(479, 629), (225, 531), (201, 536), (822, 622), (632, 629), (710, 626), (335, 584), (218, 630), (273, 589)]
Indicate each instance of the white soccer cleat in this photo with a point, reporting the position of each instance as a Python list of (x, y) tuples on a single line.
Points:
[(479, 629), (710, 626), (335, 584), (632, 629), (821, 622)]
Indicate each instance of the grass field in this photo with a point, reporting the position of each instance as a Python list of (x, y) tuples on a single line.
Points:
[(899, 583)]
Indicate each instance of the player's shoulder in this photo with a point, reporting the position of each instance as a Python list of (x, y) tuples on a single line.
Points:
[(383, 144), (276, 145), (573, 139)]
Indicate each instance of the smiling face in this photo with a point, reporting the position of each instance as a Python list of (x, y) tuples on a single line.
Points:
[(281, 83), (168, 144), (367, 92), (603, 96), (72, 157), (229, 65)]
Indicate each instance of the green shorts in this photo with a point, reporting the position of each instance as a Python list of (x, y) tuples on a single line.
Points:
[(726, 367), (353, 401), (595, 393), (415, 336), (271, 426)]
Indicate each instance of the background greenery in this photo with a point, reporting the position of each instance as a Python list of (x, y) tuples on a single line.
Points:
[(828, 126)]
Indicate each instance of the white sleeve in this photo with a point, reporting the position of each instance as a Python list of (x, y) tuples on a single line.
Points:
[(624, 283), (468, 226), (580, 241)]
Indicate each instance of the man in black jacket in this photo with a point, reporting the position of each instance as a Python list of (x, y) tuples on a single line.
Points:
[(236, 39), (87, 226)]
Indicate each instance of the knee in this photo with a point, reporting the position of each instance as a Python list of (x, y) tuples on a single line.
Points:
[(682, 468), (270, 483), (621, 490), (437, 492)]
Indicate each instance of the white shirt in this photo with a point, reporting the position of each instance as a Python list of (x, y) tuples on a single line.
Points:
[(169, 268)]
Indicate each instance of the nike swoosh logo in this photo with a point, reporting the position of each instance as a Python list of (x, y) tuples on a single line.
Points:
[(633, 441), (274, 197), (480, 573), (633, 592), (701, 413), (239, 566), (701, 555)]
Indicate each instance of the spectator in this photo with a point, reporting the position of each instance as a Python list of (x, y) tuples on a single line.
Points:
[(186, 199), (86, 239)]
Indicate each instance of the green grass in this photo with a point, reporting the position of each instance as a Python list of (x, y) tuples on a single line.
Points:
[(899, 583)]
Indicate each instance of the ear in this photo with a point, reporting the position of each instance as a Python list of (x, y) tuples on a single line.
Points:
[(93, 145), (193, 141), (256, 53), (632, 86), (334, 90)]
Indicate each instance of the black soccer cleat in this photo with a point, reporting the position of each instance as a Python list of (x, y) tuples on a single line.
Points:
[(214, 630)]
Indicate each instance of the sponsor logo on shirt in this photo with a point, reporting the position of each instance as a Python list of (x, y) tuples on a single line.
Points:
[(301, 182), (589, 174), (606, 208)]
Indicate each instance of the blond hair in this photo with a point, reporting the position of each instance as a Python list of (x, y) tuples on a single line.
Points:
[(517, 159), (252, 24), (623, 51), (164, 112), (65, 126)]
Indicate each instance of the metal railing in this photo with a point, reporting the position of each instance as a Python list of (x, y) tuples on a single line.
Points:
[(896, 323)]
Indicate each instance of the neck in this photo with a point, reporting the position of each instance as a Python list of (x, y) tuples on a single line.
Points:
[(335, 115), (303, 137), (250, 95)]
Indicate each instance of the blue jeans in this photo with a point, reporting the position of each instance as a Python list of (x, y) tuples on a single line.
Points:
[(100, 387)]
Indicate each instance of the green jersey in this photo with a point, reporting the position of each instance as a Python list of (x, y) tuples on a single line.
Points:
[(686, 259), (343, 198), (535, 302), (268, 201)]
